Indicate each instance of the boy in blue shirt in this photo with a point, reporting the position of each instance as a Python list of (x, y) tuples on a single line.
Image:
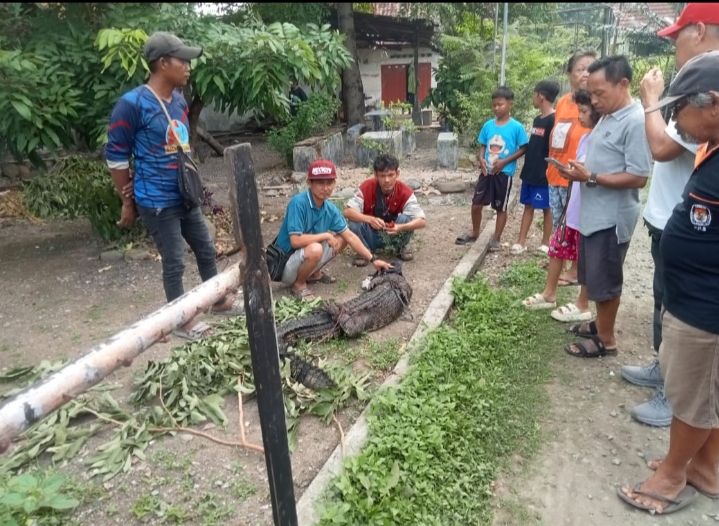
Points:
[(502, 141)]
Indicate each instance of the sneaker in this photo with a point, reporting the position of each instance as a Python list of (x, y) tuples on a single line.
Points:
[(647, 376), (656, 412)]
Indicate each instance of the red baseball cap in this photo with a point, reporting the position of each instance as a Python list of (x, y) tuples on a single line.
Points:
[(322, 169), (693, 13)]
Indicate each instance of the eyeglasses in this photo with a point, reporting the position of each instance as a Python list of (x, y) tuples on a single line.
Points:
[(679, 106)]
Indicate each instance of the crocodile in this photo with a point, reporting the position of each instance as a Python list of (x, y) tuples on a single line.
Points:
[(387, 295)]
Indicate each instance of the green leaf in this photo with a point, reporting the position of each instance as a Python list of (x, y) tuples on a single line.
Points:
[(62, 502), (22, 109), (220, 84), (13, 500)]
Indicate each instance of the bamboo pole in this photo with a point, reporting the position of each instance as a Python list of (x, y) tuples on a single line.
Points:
[(42, 398)]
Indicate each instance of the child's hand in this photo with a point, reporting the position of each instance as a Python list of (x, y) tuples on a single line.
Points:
[(498, 166), (483, 166)]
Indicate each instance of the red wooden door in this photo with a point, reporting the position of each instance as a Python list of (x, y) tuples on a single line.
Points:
[(394, 83), (425, 80)]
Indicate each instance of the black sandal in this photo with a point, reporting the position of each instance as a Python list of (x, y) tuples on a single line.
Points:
[(584, 350), (576, 329)]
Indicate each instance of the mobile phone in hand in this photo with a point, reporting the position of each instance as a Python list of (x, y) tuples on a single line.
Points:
[(556, 163)]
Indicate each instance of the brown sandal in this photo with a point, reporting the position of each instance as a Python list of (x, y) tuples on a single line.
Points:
[(405, 256), (361, 262)]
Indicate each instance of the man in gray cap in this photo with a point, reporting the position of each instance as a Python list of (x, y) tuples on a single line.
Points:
[(146, 124), (689, 353), (696, 31)]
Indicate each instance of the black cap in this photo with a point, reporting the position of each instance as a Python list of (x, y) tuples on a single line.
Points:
[(166, 45), (699, 75)]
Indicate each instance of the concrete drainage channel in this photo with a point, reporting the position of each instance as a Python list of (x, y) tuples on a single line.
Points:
[(436, 313)]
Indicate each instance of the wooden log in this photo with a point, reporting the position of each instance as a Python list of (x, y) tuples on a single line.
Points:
[(209, 139), (40, 399), (262, 337)]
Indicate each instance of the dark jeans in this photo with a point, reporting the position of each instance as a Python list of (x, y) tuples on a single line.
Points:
[(168, 226), (373, 239), (658, 285)]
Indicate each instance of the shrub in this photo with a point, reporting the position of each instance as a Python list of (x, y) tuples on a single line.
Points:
[(313, 116), (79, 188)]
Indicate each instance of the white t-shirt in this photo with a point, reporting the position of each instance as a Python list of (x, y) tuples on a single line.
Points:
[(668, 181)]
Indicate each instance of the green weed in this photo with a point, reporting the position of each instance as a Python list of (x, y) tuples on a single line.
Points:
[(523, 274), (34, 498), (470, 401)]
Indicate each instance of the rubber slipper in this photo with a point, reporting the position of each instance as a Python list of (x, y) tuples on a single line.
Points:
[(517, 249), (405, 256), (684, 499), (325, 278), (569, 313), (544, 249), (465, 239), (199, 331), (538, 302), (361, 262), (494, 246), (567, 283), (599, 351), (237, 309), (576, 329), (653, 456), (304, 294)]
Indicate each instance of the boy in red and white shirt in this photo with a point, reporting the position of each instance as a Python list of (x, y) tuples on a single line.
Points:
[(383, 204)]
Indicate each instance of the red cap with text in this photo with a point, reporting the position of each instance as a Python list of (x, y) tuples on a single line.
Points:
[(322, 169), (693, 13)]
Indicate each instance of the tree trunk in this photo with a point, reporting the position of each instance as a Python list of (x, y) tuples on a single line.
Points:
[(352, 90), (194, 118)]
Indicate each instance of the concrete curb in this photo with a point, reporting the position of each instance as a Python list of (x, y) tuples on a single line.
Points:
[(436, 313)]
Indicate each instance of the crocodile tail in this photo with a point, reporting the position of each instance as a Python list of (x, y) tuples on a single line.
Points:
[(307, 374)]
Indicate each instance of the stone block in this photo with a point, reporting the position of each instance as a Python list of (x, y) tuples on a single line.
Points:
[(447, 151), (372, 144), (426, 117), (330, 147), (409, 140), (352, 140)]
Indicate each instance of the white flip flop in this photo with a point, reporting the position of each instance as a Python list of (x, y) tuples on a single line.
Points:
[(517, 249)]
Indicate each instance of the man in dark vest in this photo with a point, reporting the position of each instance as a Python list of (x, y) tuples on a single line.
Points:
[(384, 211)]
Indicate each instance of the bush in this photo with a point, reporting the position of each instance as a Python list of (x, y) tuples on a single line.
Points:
[(313, 117), (79, 188)]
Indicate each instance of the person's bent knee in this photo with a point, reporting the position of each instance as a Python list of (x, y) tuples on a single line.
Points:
[(313, 252), (355, 227)]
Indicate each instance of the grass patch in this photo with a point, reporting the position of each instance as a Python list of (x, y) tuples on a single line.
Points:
[(472, 398)]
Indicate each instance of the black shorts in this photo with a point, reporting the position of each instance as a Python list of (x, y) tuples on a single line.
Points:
[(601, 262), (493, 190)]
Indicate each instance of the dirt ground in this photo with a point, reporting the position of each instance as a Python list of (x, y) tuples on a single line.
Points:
[(58, 300), (593, 445)]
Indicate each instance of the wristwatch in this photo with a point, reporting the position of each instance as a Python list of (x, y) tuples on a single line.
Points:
[(592, 180), (373, 258)]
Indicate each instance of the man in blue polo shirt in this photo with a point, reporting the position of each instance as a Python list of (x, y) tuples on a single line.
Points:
[(140, 129), (314, 231)]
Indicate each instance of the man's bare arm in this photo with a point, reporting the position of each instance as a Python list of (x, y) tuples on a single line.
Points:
[(664, 148)]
